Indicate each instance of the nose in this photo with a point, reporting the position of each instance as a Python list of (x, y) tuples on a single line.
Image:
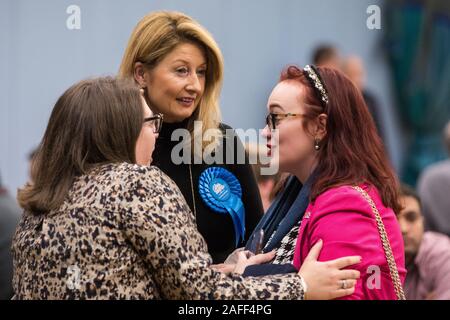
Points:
[(404, 227), (194, 84), (266, 133)]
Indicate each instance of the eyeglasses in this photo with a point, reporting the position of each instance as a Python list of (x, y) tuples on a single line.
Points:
[(272, 119), (157, 120)]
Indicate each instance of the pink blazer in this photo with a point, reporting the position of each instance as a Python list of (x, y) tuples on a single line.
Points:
[(343, 219)]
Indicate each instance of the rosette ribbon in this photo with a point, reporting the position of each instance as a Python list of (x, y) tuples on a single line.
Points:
[(222, 192)]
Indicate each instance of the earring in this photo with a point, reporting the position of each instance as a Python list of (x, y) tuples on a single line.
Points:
[(316, 144)]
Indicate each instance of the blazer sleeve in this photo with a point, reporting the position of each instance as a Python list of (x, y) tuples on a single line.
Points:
[(441, 276), (345, 223), (435, 261), (162, 229)]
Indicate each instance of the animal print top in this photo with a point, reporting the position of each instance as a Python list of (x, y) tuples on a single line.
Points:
[(124, 231)]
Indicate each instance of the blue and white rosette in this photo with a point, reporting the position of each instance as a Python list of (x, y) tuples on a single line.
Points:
[(222, 192)]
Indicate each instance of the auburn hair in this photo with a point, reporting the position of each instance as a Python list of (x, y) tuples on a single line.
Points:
[(352, 152)]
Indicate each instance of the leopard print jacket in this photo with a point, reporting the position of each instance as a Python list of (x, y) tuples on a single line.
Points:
[(125, 231)]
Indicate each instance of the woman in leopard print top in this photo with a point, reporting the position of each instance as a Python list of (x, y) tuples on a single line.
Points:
[(126, 232), (100, 223)]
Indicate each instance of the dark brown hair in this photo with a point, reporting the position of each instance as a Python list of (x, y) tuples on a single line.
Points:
[(408, 191), (323, 53), (351, 152), (96, 121)]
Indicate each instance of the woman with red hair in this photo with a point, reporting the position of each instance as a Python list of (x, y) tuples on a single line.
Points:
[(342, 192)]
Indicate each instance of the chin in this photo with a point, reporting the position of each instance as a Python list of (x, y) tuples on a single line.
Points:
[(185, 113), (282, 166), (177, 117)]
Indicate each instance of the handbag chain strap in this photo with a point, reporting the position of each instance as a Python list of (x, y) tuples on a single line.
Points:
[(386, 245)]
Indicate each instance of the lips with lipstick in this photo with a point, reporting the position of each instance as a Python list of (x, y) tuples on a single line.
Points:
[(186, 101), (269, 149)]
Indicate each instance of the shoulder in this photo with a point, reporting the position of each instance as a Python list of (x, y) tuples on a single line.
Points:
[(339, 200), (148, 190), (434, 247), (345, 195), (438, 170), (150, 178), (133, 183)]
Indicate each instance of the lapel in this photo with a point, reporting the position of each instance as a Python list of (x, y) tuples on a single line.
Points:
[(276, 212), (303, 231), (293, 216), (302, 239), (286, 211)]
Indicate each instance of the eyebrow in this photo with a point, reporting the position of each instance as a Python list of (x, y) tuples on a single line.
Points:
[(275, 105), (187, 62), (410, 212)]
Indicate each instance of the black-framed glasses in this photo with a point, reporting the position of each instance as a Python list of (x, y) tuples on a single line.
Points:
[(156, 120), (272, 119)]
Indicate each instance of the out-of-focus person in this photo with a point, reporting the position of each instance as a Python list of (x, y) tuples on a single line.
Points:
[(434, 190), (9, 217), (327, 55), (353, 67), (427, 254)]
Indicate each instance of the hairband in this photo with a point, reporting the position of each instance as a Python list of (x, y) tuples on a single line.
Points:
[(316, 81)]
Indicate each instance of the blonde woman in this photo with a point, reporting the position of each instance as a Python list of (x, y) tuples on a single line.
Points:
[(180, 66)]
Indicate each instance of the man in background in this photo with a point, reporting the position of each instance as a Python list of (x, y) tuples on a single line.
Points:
[(427, 254), (434, 190), (353, 67), (328, 56)]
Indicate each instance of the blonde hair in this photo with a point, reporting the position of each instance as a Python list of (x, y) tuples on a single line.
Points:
[(155, 36)]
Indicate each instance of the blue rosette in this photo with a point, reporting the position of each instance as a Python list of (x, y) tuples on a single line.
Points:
[(222, 192)]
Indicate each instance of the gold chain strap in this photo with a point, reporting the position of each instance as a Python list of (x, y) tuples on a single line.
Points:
[(192, 190), (386, 245)]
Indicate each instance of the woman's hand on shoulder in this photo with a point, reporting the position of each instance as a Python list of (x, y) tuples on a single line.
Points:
[(326, 280)]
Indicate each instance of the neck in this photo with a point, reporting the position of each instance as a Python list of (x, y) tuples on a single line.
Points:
[(169, 127), (304, 171), (409, 261)]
